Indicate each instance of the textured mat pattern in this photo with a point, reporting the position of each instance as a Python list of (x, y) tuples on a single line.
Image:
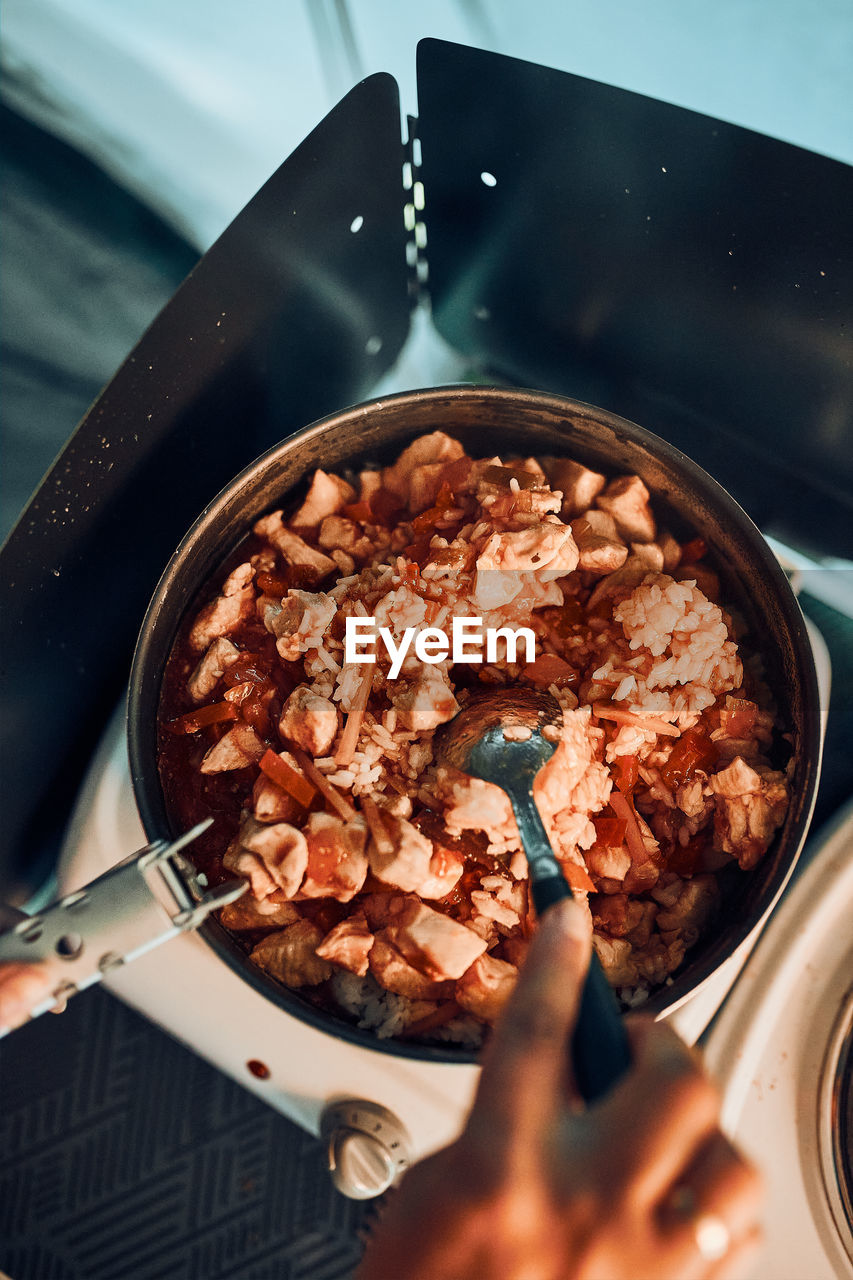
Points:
[(125, 1157)]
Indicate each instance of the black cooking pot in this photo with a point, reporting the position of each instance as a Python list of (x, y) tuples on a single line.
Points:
[(488, 421)]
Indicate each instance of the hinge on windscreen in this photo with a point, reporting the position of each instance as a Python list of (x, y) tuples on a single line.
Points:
[(413, 212)]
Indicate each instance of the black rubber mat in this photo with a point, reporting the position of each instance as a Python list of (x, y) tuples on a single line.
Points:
[(123, 1156)]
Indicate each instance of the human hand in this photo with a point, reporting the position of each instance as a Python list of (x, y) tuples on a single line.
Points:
[(641, 1186), (21, 987)]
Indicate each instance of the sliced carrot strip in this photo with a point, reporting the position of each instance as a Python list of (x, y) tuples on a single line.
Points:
[(349, 737), (623, 808), (620, 715), (627, 773), (214, 713), (373, 817), (324, 786), (279, 772), (445, 1012), (577, 877)]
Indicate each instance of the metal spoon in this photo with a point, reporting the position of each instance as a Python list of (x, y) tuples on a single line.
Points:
[(506, 736)]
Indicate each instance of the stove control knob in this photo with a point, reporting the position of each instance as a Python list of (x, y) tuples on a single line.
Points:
[(368, 1147)]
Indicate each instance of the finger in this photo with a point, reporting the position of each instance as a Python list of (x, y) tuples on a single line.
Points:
[(525, 1063), (660, 1114), (720, 1182), (22, 986)]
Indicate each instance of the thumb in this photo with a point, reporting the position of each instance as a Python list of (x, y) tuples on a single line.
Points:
[(524, 1067)]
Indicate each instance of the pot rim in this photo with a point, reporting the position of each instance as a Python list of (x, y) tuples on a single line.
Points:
[(145, 683)]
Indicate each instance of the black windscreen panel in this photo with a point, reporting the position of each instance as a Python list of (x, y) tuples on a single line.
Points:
[(294, 312), (687, 273)]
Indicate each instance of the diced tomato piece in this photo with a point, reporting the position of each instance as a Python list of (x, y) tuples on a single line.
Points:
[(411, 574), (387, 507), (359, 511), (694, 750), (609, 832), (254, 711), (444, 502), (550, 669), (627, 773), (577, 877), (419, 550), (455, 473), (279, 772), (273, 584), (249, 666), (694, 550), (214, 713)]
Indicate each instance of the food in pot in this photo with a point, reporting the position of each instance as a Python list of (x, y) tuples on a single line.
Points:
[(394, 890)]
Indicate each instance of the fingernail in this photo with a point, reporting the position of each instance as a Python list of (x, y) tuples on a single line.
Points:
[(568, 919)]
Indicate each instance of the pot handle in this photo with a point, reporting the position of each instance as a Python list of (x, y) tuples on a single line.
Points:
[(145, 900)]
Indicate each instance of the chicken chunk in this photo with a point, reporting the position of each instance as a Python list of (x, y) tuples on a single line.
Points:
[(270, 803), (238, 748), (412, 864), (325, 497), (348, 944), (670, 550), (621, 916), (608, 864), (472, 804), (337, 862), (596, 553), (579, 485), (445, 872), (219, 618), (301, 622), (294, 549), (290, 955), (249, 913), (627, 501), (748, 807), (240, 860), (392, 971), (219, 657), (409, 477), (543, 546), (617, 960), (485, 987), (630, 575), (406, 864), (690, 911), (341, 536), (309, 721), (601, 523), (425, 702), (434, 944), (282, 849)]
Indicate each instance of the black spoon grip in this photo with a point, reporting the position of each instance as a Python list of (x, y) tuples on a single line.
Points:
[(600, 1051)]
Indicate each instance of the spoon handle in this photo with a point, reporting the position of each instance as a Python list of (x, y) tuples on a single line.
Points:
[(600, 1051)]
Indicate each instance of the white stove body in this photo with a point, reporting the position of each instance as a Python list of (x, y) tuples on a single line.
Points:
[(772, 1050), (186, 989)]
